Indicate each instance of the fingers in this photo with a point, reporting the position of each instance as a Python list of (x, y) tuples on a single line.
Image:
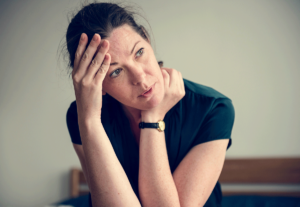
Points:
[(98, 61), (166, 77), (84, 57), (181, 84), (100, 75), (80, 49), (173, 80)]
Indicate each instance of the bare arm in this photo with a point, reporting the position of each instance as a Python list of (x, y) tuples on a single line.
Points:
[(198, 172), (195, 177), (107, 180), (156, 184), (193, 180)]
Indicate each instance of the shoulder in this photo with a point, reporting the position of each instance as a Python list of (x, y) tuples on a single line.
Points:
[(207, 112), (201, 97), (72, 111), (205, 107), (197, 89), (72, 123)]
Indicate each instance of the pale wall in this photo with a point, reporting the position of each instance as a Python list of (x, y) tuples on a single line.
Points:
[(249, 51)]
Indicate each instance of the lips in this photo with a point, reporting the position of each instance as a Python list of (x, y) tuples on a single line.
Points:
[(147, 90)]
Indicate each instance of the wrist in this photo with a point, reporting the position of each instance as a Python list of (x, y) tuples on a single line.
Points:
[(88, 122), (89, 127), (151, 118)]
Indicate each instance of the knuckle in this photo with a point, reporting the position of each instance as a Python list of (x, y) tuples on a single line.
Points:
[(84, 82), (94, 85), (105, 64), (103, 68), (183, 93), (76, 78), (85, 56), (94, 63), (77, 55)]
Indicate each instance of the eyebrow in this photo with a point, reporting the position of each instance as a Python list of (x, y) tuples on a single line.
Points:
[(115, 63)]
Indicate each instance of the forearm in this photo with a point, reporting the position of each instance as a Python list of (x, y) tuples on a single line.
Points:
[(109, 184), (156, 184)]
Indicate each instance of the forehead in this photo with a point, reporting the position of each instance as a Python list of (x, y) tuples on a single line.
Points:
[(122, 40)]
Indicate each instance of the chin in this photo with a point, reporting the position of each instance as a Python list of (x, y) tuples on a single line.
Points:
[(155, 101)]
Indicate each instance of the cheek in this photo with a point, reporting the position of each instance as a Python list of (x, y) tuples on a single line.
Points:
[(112, 85), (117, 89), (153, 68), (105, 85), (109, 87), (159, 75)]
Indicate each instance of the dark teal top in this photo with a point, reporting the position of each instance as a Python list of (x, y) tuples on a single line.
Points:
[(202, 115)]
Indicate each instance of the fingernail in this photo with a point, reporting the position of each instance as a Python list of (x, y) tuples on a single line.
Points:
[(104, 44), (95, 37)]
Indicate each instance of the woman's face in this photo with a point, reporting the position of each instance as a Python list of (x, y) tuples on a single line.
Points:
[(133, 70)]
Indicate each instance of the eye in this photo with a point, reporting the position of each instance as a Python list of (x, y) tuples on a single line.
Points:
[(115, 73), (140, 52)]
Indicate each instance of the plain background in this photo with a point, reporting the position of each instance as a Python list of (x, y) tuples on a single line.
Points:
[(247, 50)]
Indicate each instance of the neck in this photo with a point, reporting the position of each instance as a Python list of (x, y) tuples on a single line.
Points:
[(133, 114)]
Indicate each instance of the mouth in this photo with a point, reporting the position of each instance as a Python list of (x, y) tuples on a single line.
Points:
[(147, 91)]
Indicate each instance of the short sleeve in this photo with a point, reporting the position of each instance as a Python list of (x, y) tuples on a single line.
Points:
[(72, 124), (218, 123)]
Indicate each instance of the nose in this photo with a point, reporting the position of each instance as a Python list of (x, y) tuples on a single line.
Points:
[(138, 75)]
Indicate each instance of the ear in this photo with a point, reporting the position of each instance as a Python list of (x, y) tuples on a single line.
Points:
[(103, 93), (161, 64)]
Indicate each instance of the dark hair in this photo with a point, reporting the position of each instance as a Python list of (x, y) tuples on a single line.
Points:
[(99, 18)]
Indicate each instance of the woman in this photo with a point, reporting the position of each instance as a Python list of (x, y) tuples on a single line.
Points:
[(123, 99)]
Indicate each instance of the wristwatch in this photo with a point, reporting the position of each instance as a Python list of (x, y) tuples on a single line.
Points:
[(160, 125)]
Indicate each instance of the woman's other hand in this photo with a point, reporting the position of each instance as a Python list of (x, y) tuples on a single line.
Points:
[(174, 92), (88, 75)]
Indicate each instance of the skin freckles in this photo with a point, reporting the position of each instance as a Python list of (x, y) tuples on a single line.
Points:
[(133, 69)]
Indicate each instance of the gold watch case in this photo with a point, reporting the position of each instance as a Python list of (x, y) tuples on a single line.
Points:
[(161, 125)]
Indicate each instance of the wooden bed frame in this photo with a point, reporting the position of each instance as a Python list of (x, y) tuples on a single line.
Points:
[(235, 171)]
